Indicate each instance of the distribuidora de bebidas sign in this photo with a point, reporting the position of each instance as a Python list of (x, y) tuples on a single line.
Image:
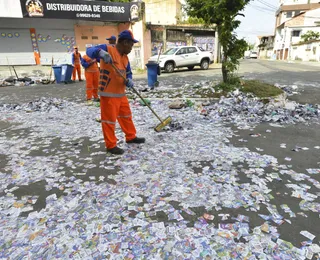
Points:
[(76, 9)]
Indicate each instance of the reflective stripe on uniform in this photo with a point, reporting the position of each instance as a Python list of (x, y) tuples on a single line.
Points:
[(104, 77), (91, 70), (106, 94), (104, 72), (128, 116), (108, 122)]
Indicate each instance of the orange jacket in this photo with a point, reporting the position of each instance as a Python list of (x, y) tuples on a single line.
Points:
[(111, 84), (76, 58), (89, 65)]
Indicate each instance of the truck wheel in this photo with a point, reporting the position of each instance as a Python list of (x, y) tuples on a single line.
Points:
[(190, 67), (204, 64), (169, 67)]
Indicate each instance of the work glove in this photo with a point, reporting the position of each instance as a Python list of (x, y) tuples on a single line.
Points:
[(129, 83), (105, 56)]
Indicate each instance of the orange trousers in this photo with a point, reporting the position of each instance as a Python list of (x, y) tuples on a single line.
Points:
[(113, 109), (92, 83), (76, 69)]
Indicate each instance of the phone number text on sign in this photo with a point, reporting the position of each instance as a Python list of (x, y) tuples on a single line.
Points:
[(88, 15)]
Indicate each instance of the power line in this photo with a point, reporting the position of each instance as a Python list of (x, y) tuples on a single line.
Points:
[(263, 9), (268, 4)]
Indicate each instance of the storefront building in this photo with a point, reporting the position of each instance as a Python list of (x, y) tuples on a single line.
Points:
[(35, 31)]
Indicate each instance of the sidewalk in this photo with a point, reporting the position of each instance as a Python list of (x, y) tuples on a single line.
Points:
[(43, 71), (308, 63)]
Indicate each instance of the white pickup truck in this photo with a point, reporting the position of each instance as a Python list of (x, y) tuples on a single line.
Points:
[(184, 56)]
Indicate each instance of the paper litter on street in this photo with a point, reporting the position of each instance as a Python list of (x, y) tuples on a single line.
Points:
[(185, 194)]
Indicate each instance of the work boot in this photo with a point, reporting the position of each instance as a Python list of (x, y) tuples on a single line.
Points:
[(116, 150), (137, 140), (96, 99)]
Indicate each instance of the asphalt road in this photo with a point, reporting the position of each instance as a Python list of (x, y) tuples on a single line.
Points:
[(305, 77)]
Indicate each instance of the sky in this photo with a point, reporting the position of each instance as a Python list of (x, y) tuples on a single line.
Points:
[(259, 19)]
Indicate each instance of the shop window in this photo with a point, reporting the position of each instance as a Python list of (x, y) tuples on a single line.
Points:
[(84, 37), (95, 38)]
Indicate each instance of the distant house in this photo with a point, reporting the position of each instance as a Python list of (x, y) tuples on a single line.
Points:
[(169, 28), (293, 19), (265, 45)]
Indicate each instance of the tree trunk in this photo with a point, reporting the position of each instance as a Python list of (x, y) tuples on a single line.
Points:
[(224, 72)]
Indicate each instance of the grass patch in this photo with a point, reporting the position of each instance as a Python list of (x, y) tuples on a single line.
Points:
[(260, 89)]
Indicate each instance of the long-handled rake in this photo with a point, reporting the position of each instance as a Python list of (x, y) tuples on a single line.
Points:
[(164, 122)]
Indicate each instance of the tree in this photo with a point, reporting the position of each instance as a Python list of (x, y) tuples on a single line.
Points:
[(223, 14), (310, 35), (250, 46)]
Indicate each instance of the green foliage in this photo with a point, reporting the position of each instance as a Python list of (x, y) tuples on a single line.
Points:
[(223, 14), (310, 35), (195, 20), (250, 46), (232, 84), (235, 51)]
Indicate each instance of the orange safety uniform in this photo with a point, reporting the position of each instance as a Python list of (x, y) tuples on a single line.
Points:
[(77, 68), (114, 104), (92, 76)]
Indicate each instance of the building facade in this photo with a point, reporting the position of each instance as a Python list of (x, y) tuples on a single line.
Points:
[(167, 12), (293, 19), (35, 32), (165, 19), (265, 46)]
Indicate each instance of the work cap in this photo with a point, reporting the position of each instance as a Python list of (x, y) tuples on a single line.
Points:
[(112, 38), (126, 34)]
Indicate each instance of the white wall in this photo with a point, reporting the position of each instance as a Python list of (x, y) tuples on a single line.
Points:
[(306, 52), (162, 12), (18, 50), (311, 17), (10, 8)]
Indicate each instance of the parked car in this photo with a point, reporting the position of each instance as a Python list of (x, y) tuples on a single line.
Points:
[(254, 55), (184, 56)]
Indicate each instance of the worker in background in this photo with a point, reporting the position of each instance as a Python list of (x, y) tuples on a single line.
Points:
[(114, 104), (112, 39), (76, 57), (91, 72)]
